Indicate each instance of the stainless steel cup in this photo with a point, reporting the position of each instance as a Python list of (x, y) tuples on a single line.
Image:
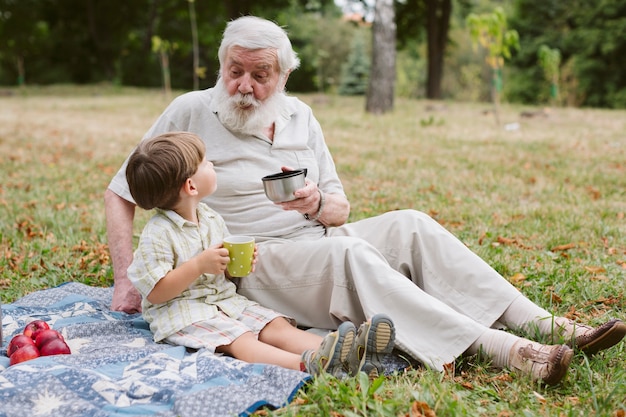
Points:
[(281, 186)]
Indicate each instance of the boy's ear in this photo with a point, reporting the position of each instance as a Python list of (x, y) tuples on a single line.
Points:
[(189, 187)]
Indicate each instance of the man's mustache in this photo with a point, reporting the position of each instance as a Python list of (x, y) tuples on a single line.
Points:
[(244, 100)]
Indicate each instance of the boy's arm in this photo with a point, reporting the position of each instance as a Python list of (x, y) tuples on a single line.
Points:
[(212, 260)]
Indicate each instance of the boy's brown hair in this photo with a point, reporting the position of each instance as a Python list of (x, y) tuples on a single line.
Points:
[(159, 167)]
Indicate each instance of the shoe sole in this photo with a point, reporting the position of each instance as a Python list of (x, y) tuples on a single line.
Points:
[(378, 343), (342, 347), (562, 359), (610, 334)]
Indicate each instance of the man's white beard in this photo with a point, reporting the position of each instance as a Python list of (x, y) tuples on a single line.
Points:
[(244, 114)]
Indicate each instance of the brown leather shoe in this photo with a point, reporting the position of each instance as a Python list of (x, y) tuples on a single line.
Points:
[(599, 338), (547, 363)]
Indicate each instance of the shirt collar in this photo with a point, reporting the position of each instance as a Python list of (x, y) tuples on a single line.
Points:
[(181, 222)]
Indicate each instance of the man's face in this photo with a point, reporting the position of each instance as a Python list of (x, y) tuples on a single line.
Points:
[(251, 72)]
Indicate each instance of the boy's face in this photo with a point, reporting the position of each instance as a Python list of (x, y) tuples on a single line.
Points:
[(205, 179)]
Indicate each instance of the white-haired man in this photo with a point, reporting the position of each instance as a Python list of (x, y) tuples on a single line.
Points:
[(315, 267)]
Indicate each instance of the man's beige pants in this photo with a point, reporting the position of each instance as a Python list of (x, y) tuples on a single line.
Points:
[(440, 295)]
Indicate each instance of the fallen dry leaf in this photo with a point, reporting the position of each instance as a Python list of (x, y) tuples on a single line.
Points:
[(556, 299), (421, 409), (572, 400), (517, 278), (565, 247), (512, 241), (594, 193), (600, 278), (595, 269)]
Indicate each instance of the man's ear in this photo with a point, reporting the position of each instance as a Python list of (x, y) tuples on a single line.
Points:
[(285, 78), (189, 187)]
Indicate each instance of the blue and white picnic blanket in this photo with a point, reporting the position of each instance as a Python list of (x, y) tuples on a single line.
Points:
[(116, 369)]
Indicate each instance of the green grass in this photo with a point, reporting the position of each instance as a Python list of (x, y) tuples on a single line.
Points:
[(545, 205)]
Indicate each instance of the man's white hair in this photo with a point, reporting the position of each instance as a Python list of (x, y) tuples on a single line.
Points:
[(254, 33)]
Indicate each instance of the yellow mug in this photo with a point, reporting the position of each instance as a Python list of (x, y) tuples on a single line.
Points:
[(241, 253)]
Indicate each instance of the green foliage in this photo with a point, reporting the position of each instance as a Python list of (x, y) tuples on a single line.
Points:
[(591, 37), (550, 60), (110, 41), (77, 41), (489, 30), (355, 72), (411, 71), (326, 395), (320, 40)]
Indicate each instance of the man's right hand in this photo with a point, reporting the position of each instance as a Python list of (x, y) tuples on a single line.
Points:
[(125, 297)]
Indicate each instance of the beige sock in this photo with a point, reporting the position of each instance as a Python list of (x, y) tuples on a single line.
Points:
[(525, 315), (496, 344)]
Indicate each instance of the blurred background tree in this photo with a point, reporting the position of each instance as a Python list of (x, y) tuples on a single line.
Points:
[(489, 30), (110, 41), (355, 71), (550, 61)]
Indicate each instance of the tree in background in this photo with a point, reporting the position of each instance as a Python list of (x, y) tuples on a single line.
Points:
[(437, 27), (489, 30), (319, 38), (432, 18), (93, 41), (355, 72), (550, 61), (380, 93), (591, 37), (163, 49), (198, 71), (21, 39)]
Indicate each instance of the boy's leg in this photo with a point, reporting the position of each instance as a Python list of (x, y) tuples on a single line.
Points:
[(249, 349), (284, 335)]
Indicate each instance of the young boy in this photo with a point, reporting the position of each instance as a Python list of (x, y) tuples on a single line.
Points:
[(179, 268)]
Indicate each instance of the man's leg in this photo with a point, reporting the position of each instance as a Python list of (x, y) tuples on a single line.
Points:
[(437, 262), (326, 281)]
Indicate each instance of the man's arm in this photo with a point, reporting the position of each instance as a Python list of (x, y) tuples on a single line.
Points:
[(334, 210), (119, 221)]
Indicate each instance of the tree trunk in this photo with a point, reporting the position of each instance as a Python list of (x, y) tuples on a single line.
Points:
[(437, 26), (380, 92), (21, 73), (194, 41)]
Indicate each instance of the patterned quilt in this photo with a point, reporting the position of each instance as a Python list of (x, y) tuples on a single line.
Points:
[(116, 369)]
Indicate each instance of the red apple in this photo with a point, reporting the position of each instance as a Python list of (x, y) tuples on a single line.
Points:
[(54, 347), (17, 342), (34, 326), (44, 336), (25, 353)]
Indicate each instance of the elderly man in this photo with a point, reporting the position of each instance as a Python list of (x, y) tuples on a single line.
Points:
[(314, 266)]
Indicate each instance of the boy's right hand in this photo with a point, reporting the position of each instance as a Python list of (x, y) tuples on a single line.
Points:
[(214, 260)]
